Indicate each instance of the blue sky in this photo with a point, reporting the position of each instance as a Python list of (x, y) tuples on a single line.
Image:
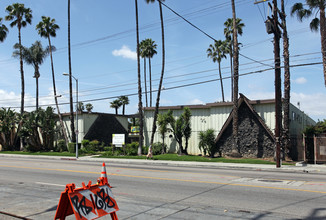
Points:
[(103, 42)]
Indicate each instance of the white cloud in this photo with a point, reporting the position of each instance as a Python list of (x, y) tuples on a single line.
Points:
[(300, 80), (313, 104), (125, 52), (196, 102)]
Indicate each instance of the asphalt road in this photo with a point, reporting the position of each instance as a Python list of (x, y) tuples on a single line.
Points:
[(31, 188)]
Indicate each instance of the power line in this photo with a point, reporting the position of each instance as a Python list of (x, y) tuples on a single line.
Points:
[(176, 87)]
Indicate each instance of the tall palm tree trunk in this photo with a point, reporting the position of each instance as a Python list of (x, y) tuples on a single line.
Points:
[(232, 76), (140, 104), (55, 96), (145, 81), (286, 102), (161, 78), (219, 71), (150, 81), (23, 88), (36, 77), (72, 125), (323, 38), (236, 80), (21, 74)]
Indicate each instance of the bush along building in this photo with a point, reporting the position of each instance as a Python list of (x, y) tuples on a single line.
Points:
[(256, 127)]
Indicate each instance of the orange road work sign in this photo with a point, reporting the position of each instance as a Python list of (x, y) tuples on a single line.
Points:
[(87, 202)]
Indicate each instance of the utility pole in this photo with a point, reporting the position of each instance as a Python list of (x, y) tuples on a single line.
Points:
[(272, 27)]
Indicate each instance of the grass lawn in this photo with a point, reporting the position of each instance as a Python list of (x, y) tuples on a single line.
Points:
[(172, 157)]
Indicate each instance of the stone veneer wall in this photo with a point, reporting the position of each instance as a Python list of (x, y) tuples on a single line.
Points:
[(254, 140)]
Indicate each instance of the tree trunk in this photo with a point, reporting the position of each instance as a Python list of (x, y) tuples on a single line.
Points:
[(163, 150), (236, 80), (22, 85), (323, 38), (140, 104), (219, 71), (278, 92), (145, 80), (232, 76), (162, 75), (116, 111), (123, 109), (56, 98), (36, 77), (21, 73), (150, 81), (287, 82), (72, 123)]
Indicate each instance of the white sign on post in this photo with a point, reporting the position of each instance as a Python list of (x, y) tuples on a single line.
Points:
[(118, 139)]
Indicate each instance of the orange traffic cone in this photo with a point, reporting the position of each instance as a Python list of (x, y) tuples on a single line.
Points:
[(103, 174)]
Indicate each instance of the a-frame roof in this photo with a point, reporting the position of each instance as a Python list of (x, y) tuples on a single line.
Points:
[(243, 100)]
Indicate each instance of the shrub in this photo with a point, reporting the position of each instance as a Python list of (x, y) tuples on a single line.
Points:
[(94, 145), (132, 149), (61, 146), (71, 147), (157, 148), (85, 144), (207, 142)]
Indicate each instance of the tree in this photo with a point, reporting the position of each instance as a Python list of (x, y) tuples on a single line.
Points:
[(116, 104), (180, 128), (216, 51), (142, 51), (236, 80), (8, 128), (124, 100), (186, 115), (207, 142), (89, 107), (140, 104), (148, 50), (3, 31), (162, 72), (163, 122), (287, 82), (316, 23), (80, 107), (72, 124), (47, 28), (228, 31), (20, 17), (35, 56)]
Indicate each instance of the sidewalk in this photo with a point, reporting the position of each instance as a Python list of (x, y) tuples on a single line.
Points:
[(299, 167)]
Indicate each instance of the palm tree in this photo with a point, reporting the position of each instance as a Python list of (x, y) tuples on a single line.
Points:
[(140, 104), (47, 28), (35, 56), (3, 31), (72, 124), (20, 16), (315, 6), (287, 83), (162, 72), (162, 122), (228, 30), (89, 107), (216, 51), (236, 80), (151, 51), (116, 104), (124, 101), (142, 51)]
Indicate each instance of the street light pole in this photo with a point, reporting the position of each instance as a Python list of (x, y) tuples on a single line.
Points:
[(76, 132)]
